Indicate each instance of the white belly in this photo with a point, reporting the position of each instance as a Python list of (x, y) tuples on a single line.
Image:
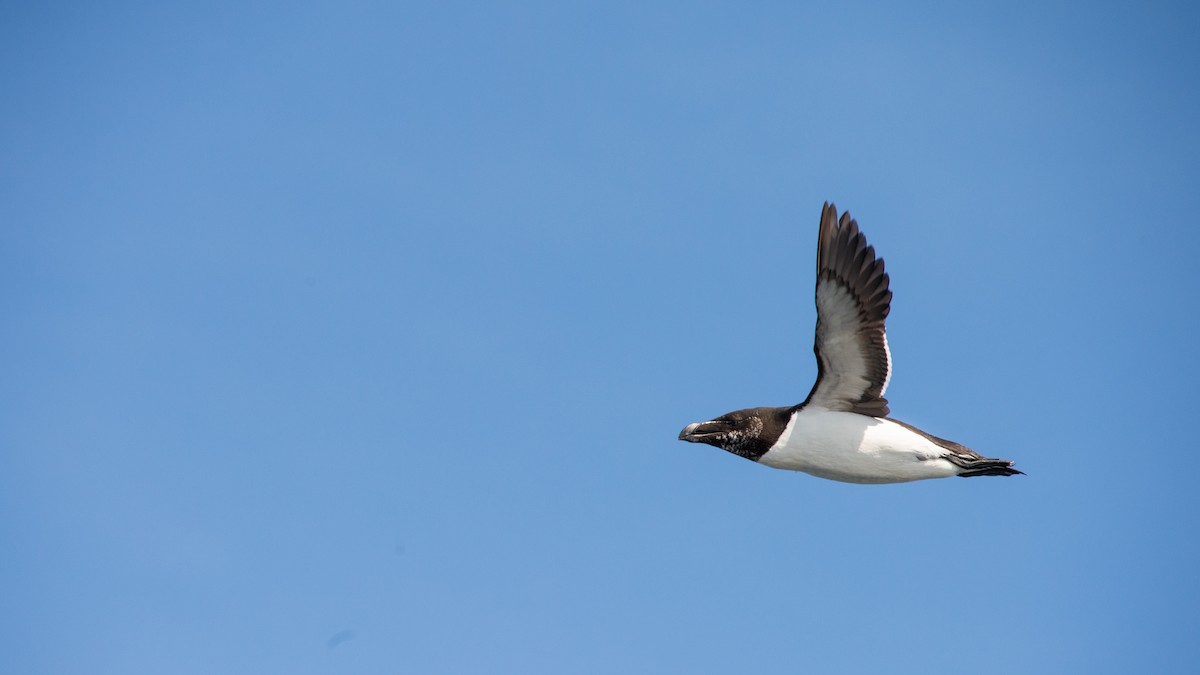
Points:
[(856, 449)]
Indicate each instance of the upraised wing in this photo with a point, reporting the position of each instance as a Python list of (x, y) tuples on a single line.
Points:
[(853, 361)]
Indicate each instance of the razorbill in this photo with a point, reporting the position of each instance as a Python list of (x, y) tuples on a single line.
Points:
[(842, 431)]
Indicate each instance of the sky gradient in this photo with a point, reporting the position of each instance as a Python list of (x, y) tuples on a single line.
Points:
[(355, 337)]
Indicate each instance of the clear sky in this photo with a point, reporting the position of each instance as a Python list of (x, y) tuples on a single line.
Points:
[(355, 337)]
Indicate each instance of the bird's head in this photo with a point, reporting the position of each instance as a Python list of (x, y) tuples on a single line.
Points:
[(739, 432)]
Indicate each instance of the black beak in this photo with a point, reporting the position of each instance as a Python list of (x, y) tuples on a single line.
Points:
[(702, 432)]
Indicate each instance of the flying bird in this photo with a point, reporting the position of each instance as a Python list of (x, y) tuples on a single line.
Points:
[(842, 430)]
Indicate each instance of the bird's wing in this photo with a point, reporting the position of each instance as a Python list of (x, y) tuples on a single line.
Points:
[(853, 361)]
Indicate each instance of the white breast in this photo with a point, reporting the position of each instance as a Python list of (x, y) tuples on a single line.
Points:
[(855, 448)]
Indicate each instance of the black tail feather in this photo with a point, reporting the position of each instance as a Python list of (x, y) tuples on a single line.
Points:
[(984, 466)]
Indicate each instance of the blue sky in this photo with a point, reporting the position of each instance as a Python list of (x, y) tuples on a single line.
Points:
[(355, 337)]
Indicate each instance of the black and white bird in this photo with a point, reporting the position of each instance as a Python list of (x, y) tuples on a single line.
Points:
[(842, 431)]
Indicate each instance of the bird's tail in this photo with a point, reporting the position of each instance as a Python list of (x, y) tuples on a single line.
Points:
[(984, 466), (972, 463)]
